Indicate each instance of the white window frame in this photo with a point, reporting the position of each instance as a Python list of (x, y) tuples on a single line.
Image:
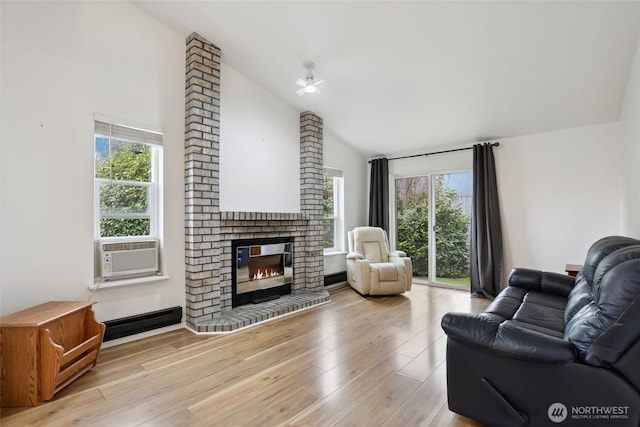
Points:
[(120, 130), (338, 208)]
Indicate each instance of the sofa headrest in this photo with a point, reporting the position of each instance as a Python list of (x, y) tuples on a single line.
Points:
[(601, 249), (603, 329), (618, 292), (372, 242)]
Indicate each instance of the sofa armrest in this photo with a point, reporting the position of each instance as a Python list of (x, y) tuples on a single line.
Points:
[(507, 338), (355, 255), (399, 257), (397, 254), (542, 281), (470, 328), (359, 274)]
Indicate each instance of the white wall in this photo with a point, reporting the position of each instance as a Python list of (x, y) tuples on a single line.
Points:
[(630, 152), (62, 62), (259, 148), (353, 164), (558, 194)]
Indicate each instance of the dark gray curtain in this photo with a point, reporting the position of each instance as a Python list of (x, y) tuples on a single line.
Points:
[(379, 194), (486, 230)]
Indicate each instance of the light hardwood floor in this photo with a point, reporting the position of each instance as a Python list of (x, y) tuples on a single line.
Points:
[(377, 361)]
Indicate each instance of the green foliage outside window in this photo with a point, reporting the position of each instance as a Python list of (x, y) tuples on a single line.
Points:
[(413, 237), (452, 245), (124, 161), (121, 227), (329, 233), (328, 211), (121, 202)]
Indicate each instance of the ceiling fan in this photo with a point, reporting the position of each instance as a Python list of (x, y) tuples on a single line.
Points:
[(308, 85)]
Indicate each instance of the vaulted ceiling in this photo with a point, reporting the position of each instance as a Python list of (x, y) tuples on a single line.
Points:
[(401, 77)]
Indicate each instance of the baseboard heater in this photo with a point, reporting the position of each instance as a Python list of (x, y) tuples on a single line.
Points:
[(332, 279), (125, 326)]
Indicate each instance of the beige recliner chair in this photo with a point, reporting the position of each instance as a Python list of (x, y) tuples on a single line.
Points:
[(371, 268)]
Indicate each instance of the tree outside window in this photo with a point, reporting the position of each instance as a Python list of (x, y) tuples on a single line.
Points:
[(451, 194), (123, 178), (328, 210)]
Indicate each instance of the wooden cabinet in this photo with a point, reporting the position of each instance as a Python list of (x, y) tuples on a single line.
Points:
[(572, 269), (44, 348)]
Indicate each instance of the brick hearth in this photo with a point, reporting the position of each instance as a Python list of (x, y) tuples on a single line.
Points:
[(251, 314), (209, 232)]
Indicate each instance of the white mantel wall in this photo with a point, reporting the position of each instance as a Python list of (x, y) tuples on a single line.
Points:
[(61, 63), (259, 148)]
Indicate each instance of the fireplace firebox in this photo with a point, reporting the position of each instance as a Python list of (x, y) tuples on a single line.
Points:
[(263, 269)]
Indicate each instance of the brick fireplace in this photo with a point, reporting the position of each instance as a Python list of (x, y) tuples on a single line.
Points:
[(209, 232)]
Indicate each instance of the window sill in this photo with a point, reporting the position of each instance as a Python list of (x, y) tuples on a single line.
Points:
[(127, 282)]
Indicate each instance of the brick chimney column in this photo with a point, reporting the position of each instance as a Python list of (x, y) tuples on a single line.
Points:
[(202, 194), (311, 198)]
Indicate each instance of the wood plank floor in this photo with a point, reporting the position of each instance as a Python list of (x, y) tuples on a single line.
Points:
[(377, 361)]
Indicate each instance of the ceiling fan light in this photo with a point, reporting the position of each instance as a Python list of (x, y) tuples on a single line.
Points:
[(310, 89)]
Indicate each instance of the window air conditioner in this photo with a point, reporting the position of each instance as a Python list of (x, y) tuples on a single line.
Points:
[(125, 259)]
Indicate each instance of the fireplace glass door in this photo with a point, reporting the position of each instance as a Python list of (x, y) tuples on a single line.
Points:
[(262, 270)]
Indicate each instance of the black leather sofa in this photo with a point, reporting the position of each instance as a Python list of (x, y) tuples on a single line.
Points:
[(553, 350)]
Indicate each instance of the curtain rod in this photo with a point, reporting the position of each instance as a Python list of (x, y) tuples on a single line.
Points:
[(495, 144)]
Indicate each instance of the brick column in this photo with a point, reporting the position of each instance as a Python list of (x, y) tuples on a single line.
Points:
[(311, 198), (202, 196)]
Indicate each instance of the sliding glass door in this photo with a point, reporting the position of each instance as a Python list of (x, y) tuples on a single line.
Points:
[(433, 219)]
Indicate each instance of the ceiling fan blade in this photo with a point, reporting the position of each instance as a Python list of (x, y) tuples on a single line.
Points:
[(317, 91), (301, 82), (300, 92), (318, 82)]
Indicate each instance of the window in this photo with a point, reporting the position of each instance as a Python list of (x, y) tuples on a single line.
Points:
[(127, 181), (440, 252), (333, 211)]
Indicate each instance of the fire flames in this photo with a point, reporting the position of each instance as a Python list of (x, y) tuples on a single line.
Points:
[(263, 274)]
